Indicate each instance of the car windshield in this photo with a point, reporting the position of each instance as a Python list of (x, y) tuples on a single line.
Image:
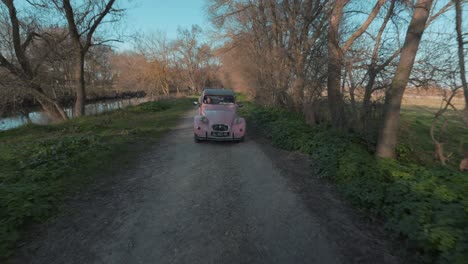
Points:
[(218, 99)]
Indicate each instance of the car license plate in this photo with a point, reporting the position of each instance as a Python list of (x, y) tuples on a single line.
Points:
[(220, 134)]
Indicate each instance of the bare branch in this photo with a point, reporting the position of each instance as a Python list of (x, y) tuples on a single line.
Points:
[(10, 67), (364, 26), (97, 22)]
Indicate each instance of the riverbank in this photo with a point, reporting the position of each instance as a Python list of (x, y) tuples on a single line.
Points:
[(42, 118), (29, 104), (41, 165)]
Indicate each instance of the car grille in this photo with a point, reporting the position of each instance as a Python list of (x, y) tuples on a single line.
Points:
[(219, 134), (220, 127)]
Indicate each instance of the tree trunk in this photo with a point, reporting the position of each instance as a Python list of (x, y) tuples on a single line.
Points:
[(366, 109), (80, 92), (54, 113), (464, 163), (439, 143), (373, 69), (366, 102), (352, 90), (309, 113), (388, 135), (82, 44), (335, 60), (298, 94), (461, 55)]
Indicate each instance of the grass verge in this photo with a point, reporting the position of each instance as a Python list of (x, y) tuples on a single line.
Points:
[(40, 165), (427, 206), (415, 137)]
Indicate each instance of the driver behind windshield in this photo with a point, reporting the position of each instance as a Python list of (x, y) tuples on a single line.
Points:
[(208, 100), (219, 100)]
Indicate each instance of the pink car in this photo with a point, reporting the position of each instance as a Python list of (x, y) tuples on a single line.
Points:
[(217, 117)]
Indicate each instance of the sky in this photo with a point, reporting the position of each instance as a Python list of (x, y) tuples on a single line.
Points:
[(163, 15)]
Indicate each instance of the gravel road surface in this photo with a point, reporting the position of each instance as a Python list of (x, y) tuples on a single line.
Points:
[(212, 202)]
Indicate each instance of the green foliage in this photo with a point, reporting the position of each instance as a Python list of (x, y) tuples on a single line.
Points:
[(426, 205), (33, 191), (156, 106), (40, 165), (289, 131), (416, 139)]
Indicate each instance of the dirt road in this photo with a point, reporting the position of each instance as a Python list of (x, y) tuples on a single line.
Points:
[(208, 203)]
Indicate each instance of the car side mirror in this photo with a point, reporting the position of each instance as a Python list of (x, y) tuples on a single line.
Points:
[(195, 103)]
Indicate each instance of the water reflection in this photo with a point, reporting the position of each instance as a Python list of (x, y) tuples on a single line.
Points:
[(41, 118)]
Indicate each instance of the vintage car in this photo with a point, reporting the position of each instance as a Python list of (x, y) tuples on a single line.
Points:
[(217, 117)]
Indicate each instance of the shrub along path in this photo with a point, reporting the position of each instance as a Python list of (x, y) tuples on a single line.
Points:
[(426, 206)]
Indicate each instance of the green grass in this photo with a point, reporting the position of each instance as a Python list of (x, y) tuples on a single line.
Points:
[(415, 134), (431, 101), (421, 202), (40, 165)]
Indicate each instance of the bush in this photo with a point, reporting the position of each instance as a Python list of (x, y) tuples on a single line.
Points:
[(156, 106), (426, 205), (33, 191)]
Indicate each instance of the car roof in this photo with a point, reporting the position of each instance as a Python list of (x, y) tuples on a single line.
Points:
[(218, 92)]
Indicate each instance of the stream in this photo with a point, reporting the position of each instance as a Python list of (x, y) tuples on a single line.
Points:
[(41, 118)]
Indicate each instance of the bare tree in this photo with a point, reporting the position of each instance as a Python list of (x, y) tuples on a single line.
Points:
[(160, 54), (439, 142), (374, 69), (335, 57), (127, 68), (266, 51), (279, 47), (21, 64), (83, 21), (194, 57), (160, 67), (379, 65), (389, 131), (461, 51)]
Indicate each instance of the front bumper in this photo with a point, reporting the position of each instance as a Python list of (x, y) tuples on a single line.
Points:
[(205, 131), (211, 138)]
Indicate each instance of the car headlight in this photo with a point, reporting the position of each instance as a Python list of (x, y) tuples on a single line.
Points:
[(237, 121)]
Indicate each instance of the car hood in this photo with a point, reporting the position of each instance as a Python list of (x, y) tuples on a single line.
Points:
[(220, 115)]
